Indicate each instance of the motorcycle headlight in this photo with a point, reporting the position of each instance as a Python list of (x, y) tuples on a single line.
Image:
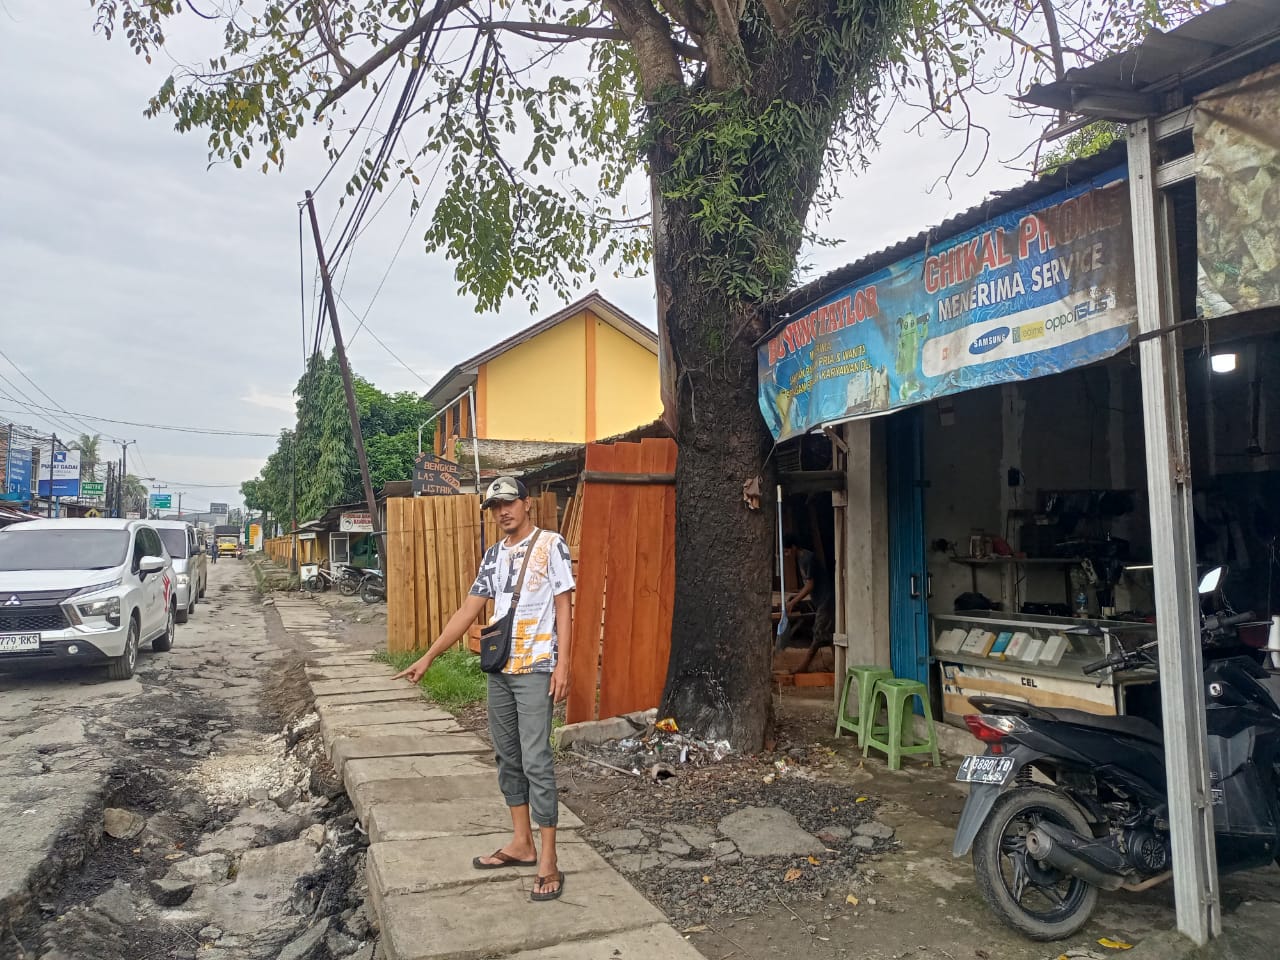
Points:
[(107, 609)]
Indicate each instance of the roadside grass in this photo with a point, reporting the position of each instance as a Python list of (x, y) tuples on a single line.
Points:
[(454, 680)]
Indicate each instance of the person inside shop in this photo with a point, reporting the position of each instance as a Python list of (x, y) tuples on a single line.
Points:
[(817, 588)]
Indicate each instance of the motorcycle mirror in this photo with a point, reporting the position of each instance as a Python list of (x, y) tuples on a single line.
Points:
[(1209, 582)]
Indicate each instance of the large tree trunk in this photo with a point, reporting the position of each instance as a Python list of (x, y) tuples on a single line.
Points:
[(718, 678), (735, 160)]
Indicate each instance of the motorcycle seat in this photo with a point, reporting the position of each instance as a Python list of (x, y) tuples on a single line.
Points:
[(1129, 726)]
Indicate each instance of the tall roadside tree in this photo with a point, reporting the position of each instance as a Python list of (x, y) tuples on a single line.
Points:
[(542, 115), (90, 447)]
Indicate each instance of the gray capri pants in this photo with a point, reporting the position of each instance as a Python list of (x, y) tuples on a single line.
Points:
[(520, 710)]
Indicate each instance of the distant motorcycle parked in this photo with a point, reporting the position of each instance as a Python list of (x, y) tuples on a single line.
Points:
[(373, 587)]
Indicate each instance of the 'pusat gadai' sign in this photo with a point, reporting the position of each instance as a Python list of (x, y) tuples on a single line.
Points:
[(1035, 291)]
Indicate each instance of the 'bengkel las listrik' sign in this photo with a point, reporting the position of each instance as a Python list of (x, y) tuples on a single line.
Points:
[(434, 476), (1035, 291)]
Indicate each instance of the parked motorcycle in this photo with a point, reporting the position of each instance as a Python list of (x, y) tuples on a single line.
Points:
[(373, 588), (349, 581), (1042, 851)]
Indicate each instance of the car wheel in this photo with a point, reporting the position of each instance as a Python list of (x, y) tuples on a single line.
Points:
[(191, 610), (121, 667), (204, 585), (183, 614), (165, 641)]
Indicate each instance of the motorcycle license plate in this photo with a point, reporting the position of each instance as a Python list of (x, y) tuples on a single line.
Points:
[(985, 770)]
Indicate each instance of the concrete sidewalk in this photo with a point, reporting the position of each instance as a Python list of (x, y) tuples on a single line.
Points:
[(426, 791)]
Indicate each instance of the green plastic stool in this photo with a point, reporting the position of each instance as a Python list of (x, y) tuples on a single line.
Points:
[(897, 740), (866, 676)]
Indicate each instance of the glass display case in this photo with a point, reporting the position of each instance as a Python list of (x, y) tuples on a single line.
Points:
[(1033, 658)]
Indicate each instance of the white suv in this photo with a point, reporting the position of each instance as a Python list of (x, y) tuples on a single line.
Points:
[(84, 592)]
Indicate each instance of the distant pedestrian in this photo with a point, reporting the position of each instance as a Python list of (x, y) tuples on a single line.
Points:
[(534, 677), (213, 551)]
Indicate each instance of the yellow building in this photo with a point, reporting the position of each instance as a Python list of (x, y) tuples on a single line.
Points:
[(585, 373)]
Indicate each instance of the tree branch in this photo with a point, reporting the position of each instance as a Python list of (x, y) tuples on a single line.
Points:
[(325, 30), (397, 46), (537, 31), (649, 33), (781, 14)]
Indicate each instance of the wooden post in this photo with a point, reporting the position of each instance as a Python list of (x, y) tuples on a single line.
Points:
[(357, 437)]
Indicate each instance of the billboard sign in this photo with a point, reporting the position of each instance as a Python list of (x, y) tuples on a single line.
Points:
[(92, 488), (221, 508), (66, 475), (1041, 289), (435, 476), (18, 475)]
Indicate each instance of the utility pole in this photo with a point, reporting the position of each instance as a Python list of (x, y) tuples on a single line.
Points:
[(124, 476), (53, 452), (179, 504), (347, 389)]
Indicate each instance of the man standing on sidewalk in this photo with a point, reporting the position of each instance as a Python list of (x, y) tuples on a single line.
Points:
[(536, 677)]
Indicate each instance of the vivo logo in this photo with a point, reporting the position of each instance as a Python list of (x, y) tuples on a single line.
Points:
[(989, 340)]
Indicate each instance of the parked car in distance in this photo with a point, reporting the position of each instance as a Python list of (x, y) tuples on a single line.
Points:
[(190, 565), (84, 592)]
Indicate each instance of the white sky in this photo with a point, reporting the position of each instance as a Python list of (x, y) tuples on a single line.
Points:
[(137, 284)]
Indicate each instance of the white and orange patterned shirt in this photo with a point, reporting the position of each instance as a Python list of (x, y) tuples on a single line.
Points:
[(534, 644)]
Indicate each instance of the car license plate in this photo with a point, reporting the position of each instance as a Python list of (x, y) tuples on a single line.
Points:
[(19, 642), (985, 770)]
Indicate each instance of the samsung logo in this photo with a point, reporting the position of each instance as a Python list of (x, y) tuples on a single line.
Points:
[(989, 340)]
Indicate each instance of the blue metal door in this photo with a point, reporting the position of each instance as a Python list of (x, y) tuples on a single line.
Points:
[(908, 576)]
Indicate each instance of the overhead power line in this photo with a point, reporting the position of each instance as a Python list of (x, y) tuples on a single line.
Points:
[(41, 390), (208, 431), (365, 326)]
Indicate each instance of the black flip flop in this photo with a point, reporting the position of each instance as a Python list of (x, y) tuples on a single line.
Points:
[(505, 860), (553, 895)]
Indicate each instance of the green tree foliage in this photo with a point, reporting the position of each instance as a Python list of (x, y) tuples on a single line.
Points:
[(1085, 142), (321, 450), (90, 447), (538, 114), (134, 495)]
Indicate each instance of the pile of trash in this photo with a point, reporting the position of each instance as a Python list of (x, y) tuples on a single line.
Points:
[(656, 753)]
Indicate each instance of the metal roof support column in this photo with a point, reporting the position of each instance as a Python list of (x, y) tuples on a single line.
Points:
[(1173, 550)]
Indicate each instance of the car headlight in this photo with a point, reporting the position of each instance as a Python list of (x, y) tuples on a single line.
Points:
[(183, 580), (107, 609)]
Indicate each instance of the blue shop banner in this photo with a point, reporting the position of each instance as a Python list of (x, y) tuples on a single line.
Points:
[(1032, 292), (18, 475)]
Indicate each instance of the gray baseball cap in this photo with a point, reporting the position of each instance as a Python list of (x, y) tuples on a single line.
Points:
[(504, 490)]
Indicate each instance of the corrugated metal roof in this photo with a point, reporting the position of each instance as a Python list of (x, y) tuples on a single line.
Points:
[(1066, 176), (1166, 69)]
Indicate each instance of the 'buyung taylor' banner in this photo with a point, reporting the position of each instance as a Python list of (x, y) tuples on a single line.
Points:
[(1036, 291)]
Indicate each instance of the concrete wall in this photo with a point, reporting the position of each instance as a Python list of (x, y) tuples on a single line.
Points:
[(579, 381), (538, 389), (625, 382)]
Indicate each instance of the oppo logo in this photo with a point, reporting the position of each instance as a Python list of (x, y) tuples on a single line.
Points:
[(989, 340)]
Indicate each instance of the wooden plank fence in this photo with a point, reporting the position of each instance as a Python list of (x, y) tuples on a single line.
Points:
[(626, 522), (278, 549), (433, 553)]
